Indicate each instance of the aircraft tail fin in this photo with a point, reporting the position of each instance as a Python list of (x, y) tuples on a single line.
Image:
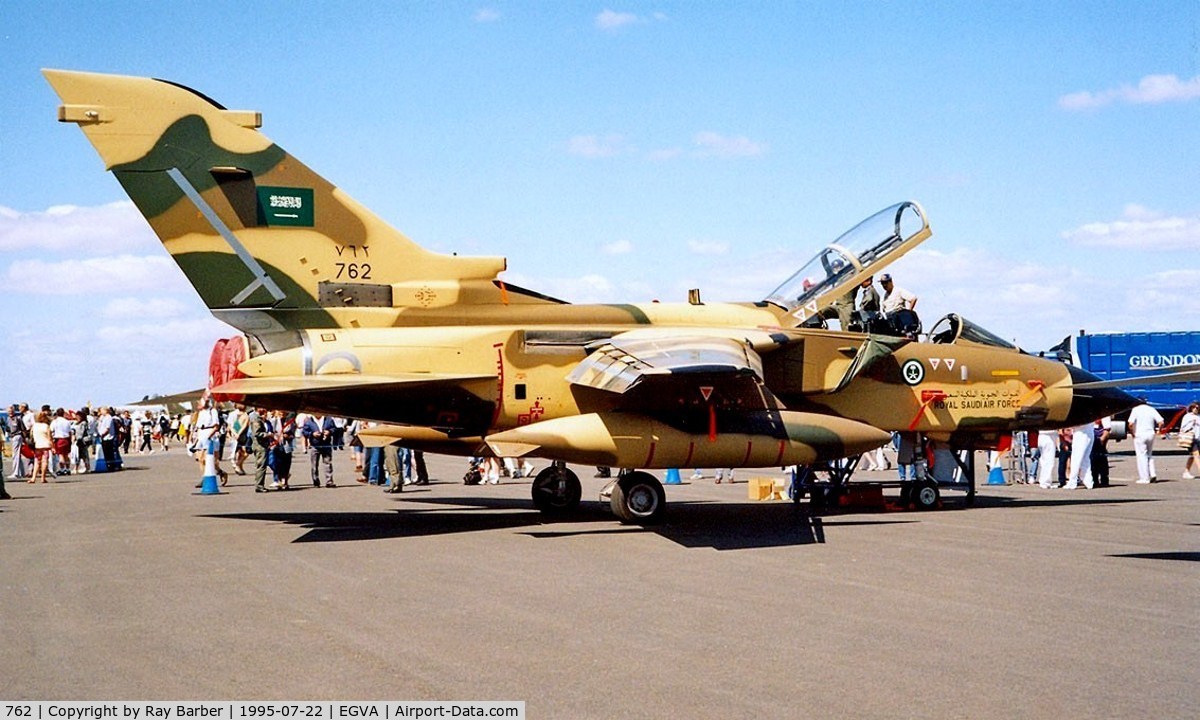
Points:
[(266, 242)]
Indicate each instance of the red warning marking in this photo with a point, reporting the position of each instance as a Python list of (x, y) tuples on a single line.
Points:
[(650, 455)]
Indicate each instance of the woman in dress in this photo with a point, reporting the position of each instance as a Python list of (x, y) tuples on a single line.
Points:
[(284, 442), (42, 446)]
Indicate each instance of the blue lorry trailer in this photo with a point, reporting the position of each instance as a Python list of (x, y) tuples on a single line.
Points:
[(1112, 356)]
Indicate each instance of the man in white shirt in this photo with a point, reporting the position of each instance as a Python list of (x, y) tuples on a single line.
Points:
[(894, 298), (1144, 422), (60, 434), (207, 422)]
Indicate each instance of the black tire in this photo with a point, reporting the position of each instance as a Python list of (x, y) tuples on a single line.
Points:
[(926, 495), (556, 491), (639, 498)]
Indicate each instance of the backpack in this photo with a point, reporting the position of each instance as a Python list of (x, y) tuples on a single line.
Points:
[(17, 429), (474, 475)]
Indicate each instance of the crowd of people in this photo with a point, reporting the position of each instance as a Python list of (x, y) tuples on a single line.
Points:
[(270, 439), (52, 443)]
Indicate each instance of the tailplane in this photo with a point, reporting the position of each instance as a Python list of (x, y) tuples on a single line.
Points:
[(267, 243)]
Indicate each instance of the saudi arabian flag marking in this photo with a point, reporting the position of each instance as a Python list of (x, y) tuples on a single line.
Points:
[(285, 206)]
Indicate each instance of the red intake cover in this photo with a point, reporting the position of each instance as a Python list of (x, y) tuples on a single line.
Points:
[(223, 364)]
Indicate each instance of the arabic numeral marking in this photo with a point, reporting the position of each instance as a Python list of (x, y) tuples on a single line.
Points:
[(19, 711), (354, 271)]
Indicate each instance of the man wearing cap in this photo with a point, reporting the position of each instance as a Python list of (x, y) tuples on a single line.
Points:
[(895, 298)]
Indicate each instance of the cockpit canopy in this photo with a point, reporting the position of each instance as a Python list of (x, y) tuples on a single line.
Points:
[(955, 328), (865, 249)]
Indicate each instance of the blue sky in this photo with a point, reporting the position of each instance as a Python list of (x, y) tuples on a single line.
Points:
[(628, 152)]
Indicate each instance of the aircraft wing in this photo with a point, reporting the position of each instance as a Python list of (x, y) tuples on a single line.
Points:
[(680, 379), (656, 371), (191, 396)]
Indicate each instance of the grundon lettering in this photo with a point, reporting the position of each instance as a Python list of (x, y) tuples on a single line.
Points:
[(1163, 361)]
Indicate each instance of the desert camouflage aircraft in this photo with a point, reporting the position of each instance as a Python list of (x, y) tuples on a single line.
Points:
[(342, 314)]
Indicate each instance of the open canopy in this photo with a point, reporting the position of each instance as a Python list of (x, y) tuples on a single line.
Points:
[(863, 250)]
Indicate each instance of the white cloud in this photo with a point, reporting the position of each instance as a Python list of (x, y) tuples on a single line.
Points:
[(664, 154), (598, 146), (711, 144), (102, 229), (151, 335), (708, 247), (1139, 228), (132, 308), (618, 247), (611, 21), (120, 273), (486, 15), (1037, 304), (1150, 90)]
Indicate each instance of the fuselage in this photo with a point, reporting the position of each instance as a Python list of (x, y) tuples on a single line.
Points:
[(965, 393)]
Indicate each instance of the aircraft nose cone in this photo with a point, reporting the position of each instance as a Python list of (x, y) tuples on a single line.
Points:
[(1089, 403)]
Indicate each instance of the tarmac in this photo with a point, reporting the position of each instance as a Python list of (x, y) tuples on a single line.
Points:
[(1032, 603)]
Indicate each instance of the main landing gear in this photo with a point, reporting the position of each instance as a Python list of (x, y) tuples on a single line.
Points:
[(556, 490), (635, 496)]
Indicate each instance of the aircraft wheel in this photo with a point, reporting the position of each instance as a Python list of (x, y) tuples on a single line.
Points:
[(639, 498), (926, 495), (556, 491)]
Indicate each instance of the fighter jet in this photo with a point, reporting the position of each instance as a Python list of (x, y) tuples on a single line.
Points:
[(342, 314)]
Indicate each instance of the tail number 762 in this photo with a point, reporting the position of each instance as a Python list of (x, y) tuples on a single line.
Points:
[(354, 271)]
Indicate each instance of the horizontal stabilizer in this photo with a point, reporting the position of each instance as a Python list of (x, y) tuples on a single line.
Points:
[(296, 384), (457, 405)]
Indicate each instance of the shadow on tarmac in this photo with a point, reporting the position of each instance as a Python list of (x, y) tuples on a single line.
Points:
[(1067, 497), (691, 524), (720, 526), (1182, 555)]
